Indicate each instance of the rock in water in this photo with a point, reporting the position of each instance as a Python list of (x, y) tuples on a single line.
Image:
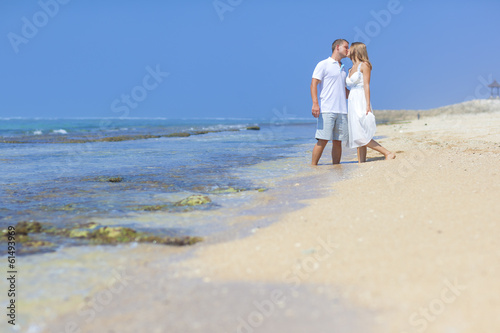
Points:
[(23, 228), (115, 179), (194, 200), (179, 135), (79, 233), (116, 232), (227, 190)]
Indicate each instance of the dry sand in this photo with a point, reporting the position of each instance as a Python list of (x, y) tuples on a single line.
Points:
[(407, 245)]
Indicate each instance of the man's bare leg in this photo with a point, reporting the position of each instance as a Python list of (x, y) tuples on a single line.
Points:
[(336, 151), (376, 146), (318, 150), (362, 154)]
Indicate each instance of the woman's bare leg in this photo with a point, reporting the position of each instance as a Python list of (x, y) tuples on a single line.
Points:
[(376, 146), (362, 154)]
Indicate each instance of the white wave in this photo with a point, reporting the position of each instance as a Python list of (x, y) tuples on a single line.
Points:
[(59, 131), (37, 132), (224, 127)]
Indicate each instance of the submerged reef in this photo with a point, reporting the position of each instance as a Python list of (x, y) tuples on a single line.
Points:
[(191, 201), (113, 235), (113, 180), (227, 190), (66, 138), (24, 228), (194, 200), (235, 190), (68, 221), (36, 237), (177, 135)]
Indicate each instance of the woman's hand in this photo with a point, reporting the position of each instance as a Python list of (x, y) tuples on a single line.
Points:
[(368, 109)]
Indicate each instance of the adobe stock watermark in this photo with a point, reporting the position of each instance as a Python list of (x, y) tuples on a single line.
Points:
[(223, 6), (73, 158), (281, 118), (482, 91), (277, 122), (265, 308), (138, 94), (407, 167), (104, 298), (381, 19), (152, 80), (420, 320), (30, 27)]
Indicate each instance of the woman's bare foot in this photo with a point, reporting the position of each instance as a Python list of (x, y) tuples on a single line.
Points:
[(390, 156)]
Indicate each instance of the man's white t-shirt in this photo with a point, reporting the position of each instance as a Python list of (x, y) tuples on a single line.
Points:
[(332, 86)]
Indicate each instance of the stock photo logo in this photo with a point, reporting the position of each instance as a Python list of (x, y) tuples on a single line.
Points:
[(294, 277), (223, 6), (139, 93), (482, 89), (381, 19), (421, 319), (31, 26)]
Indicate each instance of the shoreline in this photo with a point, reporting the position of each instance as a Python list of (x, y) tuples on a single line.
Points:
[(379, 263)]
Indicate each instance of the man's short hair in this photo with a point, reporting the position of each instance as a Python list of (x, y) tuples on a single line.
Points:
[(338, 42)]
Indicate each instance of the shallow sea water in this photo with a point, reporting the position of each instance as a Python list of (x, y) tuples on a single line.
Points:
[(65, 184)]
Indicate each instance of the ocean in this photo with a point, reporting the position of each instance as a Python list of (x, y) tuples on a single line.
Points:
[(132, 172)]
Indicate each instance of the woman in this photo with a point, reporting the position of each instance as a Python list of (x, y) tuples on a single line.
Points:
[(361, 120)]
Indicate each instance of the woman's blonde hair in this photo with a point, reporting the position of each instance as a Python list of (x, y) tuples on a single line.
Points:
[(358, 52)]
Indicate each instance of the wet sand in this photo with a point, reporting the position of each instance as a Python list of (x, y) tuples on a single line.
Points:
[(408, 245)]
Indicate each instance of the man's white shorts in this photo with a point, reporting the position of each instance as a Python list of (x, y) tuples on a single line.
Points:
[(332, 126)]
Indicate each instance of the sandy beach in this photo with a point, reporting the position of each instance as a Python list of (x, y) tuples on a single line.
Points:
[(407, 245)]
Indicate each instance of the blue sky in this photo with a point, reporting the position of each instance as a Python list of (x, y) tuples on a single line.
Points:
[(245, 58)]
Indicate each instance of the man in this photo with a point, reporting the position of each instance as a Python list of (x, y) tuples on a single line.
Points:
[(330, 76)]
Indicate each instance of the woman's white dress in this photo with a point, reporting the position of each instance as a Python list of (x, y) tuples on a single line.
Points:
[(361, 125)]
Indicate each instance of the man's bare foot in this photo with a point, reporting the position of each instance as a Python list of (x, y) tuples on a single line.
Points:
[(390, 156)]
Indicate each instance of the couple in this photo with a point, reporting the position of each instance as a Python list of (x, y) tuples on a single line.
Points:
[(337, 121)]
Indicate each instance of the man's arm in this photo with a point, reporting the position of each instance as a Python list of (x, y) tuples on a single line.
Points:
[(314, 95), (347, 91)]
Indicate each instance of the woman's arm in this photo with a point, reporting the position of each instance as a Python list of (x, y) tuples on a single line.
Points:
[(365, 69)]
